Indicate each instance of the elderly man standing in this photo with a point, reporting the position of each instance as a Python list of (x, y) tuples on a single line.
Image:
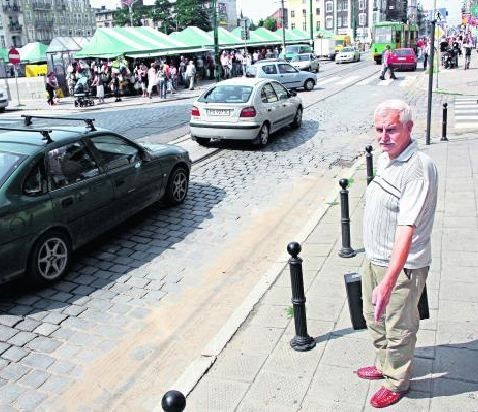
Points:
[(398, 221)]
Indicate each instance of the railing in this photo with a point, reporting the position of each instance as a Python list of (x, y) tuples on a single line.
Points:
[(11, 8), (43, 24), (41, 5), (14, 27)]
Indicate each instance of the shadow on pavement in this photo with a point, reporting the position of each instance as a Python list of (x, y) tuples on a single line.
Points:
[(101, 266)]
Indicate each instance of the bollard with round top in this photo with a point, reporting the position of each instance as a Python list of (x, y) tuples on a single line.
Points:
[(301, 342), (444, 123), (173, 401), (346, 251), (369, 159)]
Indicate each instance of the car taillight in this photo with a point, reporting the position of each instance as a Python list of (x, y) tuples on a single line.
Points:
[(248, 112), (195, 111)]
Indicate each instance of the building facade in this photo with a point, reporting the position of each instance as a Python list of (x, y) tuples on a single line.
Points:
[(26, 21), (281, 16), (349, 17), (104, 17), (299, 14)]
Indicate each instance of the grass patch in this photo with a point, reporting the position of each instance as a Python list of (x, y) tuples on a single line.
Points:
[(335, 203), (447, 92), (290, 311), (351, 181)]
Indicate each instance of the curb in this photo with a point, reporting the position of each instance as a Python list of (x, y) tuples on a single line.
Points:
[(196, 370)]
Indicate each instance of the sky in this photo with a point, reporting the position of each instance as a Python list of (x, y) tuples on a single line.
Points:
[(257, 9)]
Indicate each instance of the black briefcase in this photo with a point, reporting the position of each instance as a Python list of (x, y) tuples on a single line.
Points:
[(353, 286)]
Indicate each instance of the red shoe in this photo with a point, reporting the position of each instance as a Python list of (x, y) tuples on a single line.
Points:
[(384, 397), (369, 372)]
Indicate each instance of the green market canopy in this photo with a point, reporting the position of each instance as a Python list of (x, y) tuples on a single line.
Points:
[(4, 55), (33, 53)]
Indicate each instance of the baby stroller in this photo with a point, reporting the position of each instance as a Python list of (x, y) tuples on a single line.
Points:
[(81, 93)]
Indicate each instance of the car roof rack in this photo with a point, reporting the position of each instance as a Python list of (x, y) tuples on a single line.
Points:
[(44, 132), (89, 121)]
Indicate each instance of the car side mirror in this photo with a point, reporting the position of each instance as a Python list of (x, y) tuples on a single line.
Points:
[(292, 93), (146, 156)]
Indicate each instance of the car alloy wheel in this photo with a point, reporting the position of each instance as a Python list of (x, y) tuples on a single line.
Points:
[(297, 123), (309, 85), (177, 188), (263, 137), (50, 257)]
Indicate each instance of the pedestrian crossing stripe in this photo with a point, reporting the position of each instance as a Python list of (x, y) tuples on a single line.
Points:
[(468, 125), (386, 82), (364, 82), (466, 113), (329, 80), (348, 80)]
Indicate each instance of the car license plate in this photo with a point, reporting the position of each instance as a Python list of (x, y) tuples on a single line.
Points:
[(219, 112), (402, 59)]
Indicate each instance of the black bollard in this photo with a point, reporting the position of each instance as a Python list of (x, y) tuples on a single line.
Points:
[(444, 123), (346, 251), (301, 342), (173, 401), (369, 159)]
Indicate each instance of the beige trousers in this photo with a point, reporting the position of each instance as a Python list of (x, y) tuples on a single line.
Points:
[(395, 335)]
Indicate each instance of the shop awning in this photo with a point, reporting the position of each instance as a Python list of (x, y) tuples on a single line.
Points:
[(33, 53), (66, 44), (193, 36)]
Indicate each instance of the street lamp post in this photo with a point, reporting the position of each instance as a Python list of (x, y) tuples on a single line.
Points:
[(216, 40), (283, 26), (311, 19)]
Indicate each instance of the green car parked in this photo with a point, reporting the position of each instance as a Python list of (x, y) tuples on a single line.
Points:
[(63, 186)]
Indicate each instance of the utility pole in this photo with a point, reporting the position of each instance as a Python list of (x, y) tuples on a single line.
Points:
[(283, 27), (216, 40), (311, 19), (430, 75)]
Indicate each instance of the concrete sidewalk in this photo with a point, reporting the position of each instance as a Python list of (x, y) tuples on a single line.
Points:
[(258, 371), (67, 103)]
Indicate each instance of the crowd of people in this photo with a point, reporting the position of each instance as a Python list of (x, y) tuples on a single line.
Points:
[(150, 77)]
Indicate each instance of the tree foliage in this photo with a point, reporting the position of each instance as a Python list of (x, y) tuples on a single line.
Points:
[(163, 15), (192, 13), (270, 24)]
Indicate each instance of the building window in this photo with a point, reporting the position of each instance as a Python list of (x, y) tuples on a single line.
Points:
[(317, 25), (292, 14), (361, 4), (292, 26), (329, 7), (304, 26), (345, 6), (329, 22), (317, 11), (339, 21), (339, 6), (304, 12), (362, 19)]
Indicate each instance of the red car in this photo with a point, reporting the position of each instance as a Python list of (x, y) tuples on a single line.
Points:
[(404, 59)]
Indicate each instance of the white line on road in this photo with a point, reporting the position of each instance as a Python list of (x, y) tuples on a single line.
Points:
[(348, 80), (329, 80), (467, 125), (385, 82), (366, 81)]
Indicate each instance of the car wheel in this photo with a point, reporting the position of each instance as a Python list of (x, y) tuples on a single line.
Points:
[(297, 123), (263, 137), (203, 141), (2, 109), (309, 85), (358, 59), (50, 257), (177, 187)]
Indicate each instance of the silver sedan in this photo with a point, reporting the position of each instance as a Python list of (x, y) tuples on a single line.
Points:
[(244, 109), (347, 55)]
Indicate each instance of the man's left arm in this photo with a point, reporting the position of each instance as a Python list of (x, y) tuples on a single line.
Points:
[(381, 294)]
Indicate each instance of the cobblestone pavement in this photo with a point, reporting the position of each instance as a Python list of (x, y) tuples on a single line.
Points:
[(49, 337)]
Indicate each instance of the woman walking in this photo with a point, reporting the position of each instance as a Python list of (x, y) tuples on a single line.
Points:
[(51, 85)]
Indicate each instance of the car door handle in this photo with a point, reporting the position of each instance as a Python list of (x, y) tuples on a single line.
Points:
[(269, 110), (67, 202), (119, 182)]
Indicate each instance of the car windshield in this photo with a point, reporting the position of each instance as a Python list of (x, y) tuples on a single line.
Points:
[(292, 49), (301, 58), (8, 163), (347, 49), (383, 35), (403, 52), (227, 94)]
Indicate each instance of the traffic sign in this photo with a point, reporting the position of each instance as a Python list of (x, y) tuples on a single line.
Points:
[(14, 56)]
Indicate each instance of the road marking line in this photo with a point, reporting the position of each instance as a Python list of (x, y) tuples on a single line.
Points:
[(467, 125), (366, 81), (466, 106), (385, 82), (459, 118), (348, 80), (329, 80)]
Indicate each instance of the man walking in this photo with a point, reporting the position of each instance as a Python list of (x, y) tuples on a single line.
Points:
[(191, 74), (398, 221), (386, 64)]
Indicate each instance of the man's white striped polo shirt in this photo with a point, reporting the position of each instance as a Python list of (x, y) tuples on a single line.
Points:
[(403, 193)]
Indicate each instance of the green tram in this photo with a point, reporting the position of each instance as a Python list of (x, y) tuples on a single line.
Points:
[(394, 33)]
